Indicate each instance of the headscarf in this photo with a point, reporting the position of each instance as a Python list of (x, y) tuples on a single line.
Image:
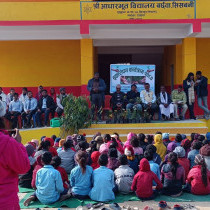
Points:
[(161, 148), (30, 149), (94, 157), (61, 142), (180, 152), (36, 142), (129, 137)]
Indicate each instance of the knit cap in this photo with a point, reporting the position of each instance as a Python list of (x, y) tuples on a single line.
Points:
[(186, 143), (30, 149), (129, 151), (205, 150), (180, 151), (165, 136), (208, 136), (199, 160)]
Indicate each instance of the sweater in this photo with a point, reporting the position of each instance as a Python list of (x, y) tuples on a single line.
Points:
[(124, 177), (142, 182), (13, 161), (194, 178), (67, 159)]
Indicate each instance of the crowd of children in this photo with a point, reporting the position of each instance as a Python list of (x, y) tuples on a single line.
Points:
[(147, 165)]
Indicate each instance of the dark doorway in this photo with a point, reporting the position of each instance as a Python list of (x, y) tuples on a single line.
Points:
[(104, 62)]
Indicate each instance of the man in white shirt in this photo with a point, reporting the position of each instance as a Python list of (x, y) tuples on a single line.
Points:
[(3, 107), (10, 96), (15, 109), (148, 99), (59, 101), (23, 97), (3, 95), (30, 107), (166, 106)]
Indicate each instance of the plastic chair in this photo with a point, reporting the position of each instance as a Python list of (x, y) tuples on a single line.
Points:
[(107, 106)]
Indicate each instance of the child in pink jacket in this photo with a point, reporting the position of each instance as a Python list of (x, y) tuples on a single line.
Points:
[(13, 161)]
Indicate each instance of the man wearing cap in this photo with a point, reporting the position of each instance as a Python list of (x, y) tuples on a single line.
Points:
[(59, 100), (133, 99), (148, 99), (96, 86), (179, 100)]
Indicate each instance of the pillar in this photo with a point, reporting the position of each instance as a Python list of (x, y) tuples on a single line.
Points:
[(87, 63), (188, 56)]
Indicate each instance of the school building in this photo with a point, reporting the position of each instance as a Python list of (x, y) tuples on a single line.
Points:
[(62, 43)]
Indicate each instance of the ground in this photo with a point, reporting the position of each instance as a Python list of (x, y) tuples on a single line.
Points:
[(140, 205)]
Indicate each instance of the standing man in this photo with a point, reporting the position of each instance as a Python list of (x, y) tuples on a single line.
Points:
[(3, 95), (166, 107), (179, 100), (148, 99), (59, 101), (15, 109), (201, 86), (96, 87), (30, 107), (132, 97), (23, 97), (39, 94), (118, 99), (45, 105), (10, 96)]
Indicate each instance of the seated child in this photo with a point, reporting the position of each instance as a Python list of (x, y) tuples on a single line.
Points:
[(113, 162), (124, 176), (56, 161), (60, 145), (94, 159), (103, 182), (182, 160), (153, 166), (196, 145), (48, 183), (51, 149), (156, 157), (172, 176), (132, 160), (142, 182), (199, 177), (38, 166), (25, 179), (136, 147), (81, 176)]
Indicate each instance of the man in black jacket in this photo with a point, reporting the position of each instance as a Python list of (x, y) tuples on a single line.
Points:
[(118, 99), (201, 86), (45, 105)]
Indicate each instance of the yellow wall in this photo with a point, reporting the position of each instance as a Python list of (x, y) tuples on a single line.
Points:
[(203, 56), (39, 11), (31, 63)]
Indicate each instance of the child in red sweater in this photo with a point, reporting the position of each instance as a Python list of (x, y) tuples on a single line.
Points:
[(56, 161), (142, 182)]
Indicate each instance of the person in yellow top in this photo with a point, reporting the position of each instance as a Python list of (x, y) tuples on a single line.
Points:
[(161, 148)]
